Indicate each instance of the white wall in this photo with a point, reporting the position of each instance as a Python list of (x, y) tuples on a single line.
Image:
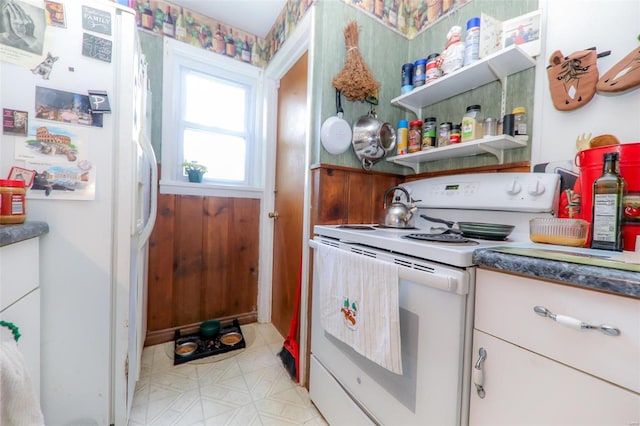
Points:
[(576, 25)]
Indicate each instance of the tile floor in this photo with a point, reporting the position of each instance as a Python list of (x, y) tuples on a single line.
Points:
[(248, 387)]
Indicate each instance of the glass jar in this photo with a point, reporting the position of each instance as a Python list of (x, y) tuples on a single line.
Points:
[(429, 131), (415, 136), (454, 137), (490, 127), (432, 71), (519, 121), (12, 201), (444, 133)]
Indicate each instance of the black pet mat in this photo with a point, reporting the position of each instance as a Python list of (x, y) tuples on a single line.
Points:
[(207, 346)]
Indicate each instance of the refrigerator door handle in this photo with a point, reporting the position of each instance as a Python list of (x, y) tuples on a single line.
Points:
[(145, 233)]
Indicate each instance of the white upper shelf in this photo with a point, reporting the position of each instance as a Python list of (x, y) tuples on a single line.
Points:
[(496, 66)]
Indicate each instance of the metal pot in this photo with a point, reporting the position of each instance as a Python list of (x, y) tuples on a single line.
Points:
[(372, 139), (398, 214)]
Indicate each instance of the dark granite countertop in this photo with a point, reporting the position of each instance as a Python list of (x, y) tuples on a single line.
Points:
[(10, 234), (552, 263)]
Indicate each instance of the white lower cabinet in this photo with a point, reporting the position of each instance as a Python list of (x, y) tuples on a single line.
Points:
[(524, 388), (20, 301), (540, 371)]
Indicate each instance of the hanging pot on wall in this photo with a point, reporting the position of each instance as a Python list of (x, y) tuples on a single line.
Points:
[(372, 139), (335, 133)]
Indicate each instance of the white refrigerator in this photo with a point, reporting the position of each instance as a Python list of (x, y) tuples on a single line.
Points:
[(92, 177)]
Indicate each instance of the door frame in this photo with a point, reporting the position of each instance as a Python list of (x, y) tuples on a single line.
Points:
[(299, 42)]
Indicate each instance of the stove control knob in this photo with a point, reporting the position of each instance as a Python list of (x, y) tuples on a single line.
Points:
[(536, 189), (513, 187)]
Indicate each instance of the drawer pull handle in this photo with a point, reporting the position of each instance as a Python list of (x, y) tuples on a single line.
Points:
[(478, 373), (575, 323)]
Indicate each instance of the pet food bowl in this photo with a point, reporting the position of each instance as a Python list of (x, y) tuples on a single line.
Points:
[(231, 339), (559, 231), (209, 328), (186, 349)]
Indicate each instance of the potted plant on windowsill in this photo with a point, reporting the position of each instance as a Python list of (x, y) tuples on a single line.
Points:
[(194, 170)]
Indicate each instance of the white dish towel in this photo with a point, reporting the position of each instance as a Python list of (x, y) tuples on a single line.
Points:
[(359, 304), (18, 403)]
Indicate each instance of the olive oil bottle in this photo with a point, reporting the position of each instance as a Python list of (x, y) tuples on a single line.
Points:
[(608, 190)]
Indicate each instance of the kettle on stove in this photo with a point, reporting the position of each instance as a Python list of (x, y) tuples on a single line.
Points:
[(398, 214)]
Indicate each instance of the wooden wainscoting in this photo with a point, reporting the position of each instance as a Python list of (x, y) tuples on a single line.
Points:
[(203, 263), (346, 195)]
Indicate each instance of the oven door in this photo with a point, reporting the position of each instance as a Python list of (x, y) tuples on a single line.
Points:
[(435, 314)]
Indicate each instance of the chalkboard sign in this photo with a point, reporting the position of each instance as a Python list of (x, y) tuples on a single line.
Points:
[(96, 20), (96, 47)]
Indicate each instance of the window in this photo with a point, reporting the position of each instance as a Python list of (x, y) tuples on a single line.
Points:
[(210, 115)]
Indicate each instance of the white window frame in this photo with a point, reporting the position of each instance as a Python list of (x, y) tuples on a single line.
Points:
[(176, 56)]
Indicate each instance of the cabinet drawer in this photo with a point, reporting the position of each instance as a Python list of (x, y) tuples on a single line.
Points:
[(522, 388), (19, 265), (504, 308)]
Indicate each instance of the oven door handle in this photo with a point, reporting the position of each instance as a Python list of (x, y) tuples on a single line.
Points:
[(439, 281)]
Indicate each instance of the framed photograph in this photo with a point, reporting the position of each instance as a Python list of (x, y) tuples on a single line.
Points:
[(54, 13), (523, 31), (18, 173)]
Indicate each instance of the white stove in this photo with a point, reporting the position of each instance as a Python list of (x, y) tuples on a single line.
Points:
[(436, 287), (499, 198)]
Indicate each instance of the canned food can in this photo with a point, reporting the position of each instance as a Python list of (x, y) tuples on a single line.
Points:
[(407, 74), (432, 70), (419, 68)]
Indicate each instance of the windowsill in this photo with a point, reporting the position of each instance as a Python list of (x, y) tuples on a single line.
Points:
[(208, 190)]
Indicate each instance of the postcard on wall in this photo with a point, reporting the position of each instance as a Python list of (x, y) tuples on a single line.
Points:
[(55, 14), (22, 31), (14, 122), (67, 107), (58, 157), (523, 31)]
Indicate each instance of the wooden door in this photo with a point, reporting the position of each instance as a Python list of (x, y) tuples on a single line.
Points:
[(289, 193)]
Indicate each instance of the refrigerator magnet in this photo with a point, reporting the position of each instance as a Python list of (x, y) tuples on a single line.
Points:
[(99, 101)]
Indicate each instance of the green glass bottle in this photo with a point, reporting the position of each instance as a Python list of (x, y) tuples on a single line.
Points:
[(608, 191)]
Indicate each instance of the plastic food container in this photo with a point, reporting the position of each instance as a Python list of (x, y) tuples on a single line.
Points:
[(559, 231)]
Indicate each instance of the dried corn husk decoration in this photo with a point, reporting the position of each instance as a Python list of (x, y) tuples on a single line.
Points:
[(355, 81)]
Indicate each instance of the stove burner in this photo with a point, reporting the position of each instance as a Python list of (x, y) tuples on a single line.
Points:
[(441, 238)]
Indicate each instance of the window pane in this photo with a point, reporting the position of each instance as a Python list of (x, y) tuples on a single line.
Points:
[(223, 155), (213, 102)]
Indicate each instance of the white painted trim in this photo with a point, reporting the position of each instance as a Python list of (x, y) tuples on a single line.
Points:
[(300, 41), (178, 55)]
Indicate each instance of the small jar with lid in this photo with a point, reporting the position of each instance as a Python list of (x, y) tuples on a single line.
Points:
[(429, 132), (520, 122), (419, 69), (455, 135), (12, 201), (415, 136), (432, 71), (444, 133)]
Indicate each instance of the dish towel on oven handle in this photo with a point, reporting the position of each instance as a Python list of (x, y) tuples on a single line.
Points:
[(359, 304)]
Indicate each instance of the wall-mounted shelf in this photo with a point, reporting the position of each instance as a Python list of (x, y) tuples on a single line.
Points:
[(495, 145), (497, 66)]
